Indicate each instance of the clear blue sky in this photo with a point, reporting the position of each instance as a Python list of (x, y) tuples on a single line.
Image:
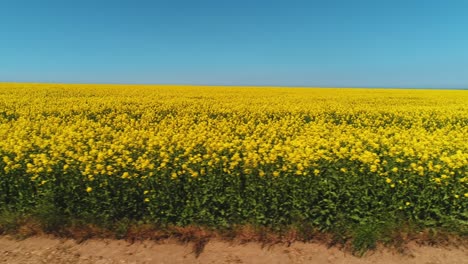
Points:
[(367, 43)]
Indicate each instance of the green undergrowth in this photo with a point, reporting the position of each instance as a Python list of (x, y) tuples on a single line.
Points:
[(356, 237), (346, 209)]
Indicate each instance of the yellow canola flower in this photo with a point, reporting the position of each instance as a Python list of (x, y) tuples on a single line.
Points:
[(226, 131)]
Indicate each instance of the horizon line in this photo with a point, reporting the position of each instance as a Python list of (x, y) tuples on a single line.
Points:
[(237, 85)]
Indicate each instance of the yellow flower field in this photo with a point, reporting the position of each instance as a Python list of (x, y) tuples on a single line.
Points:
[(232, 155)]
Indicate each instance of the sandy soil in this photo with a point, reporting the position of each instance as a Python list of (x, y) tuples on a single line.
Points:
[(52, 250)]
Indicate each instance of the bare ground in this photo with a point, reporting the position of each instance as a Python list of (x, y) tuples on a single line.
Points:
[(51, 250)]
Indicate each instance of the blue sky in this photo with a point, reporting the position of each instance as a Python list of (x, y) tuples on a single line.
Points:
[(342, 43)]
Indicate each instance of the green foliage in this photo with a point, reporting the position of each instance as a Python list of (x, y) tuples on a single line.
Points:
[(10, 221), (335, 202)]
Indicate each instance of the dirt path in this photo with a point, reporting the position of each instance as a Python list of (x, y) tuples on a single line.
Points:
[(52, 250)]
